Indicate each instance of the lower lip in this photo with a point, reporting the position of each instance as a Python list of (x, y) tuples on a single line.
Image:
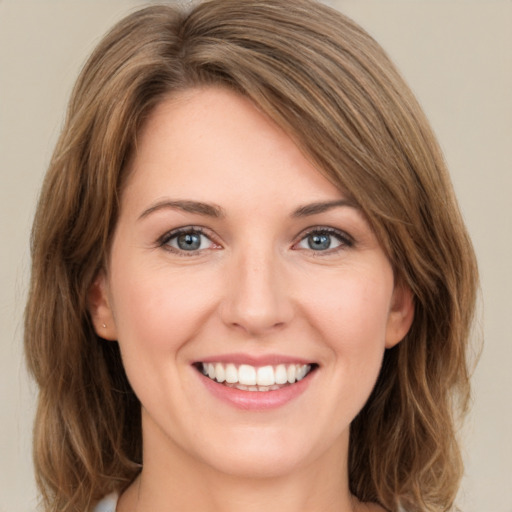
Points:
[(256, 400)]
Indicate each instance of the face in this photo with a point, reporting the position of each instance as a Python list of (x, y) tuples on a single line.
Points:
[(235, 258)]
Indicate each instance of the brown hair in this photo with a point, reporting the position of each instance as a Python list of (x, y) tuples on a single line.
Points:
[(333, 89)]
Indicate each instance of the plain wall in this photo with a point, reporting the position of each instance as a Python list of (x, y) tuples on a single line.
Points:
[(457, 57)]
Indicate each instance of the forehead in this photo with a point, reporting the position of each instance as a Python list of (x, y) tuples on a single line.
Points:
[(216, 144)]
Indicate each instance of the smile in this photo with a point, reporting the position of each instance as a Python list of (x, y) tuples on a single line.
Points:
[(252, 378)]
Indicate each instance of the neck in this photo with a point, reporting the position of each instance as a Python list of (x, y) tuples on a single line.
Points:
[(235, 494), (228, 493), (175, 482)]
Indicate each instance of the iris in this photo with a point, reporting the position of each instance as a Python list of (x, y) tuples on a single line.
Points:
[(189, 241), (319, 241)]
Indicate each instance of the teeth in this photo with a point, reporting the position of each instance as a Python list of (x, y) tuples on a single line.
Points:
[(247, 375), (251, 378), (220, 373), (291, 372), (281, 375), (231, 374), (265, 376), (301, 373)]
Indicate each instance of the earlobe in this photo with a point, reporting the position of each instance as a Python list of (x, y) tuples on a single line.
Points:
[(100, 308), (401, 315)]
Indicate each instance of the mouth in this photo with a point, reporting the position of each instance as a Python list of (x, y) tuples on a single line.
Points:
[(246, 377)]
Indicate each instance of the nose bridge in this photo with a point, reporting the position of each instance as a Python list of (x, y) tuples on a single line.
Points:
[(257, 298)]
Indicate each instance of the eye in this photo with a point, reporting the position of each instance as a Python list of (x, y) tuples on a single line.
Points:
[(189, 240), (324, 240)]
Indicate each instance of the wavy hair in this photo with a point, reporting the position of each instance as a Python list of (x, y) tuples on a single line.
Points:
[(332, 88)]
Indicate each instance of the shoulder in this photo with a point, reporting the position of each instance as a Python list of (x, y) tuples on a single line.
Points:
[(107, 504)]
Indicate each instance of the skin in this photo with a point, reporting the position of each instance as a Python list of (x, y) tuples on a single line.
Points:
[(254, 287)]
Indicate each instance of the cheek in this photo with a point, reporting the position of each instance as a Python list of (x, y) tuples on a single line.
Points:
[(352, 309), (158, 310), (157, 313), (351, 318)]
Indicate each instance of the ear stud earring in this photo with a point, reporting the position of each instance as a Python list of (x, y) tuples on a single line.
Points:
[(104, 326)]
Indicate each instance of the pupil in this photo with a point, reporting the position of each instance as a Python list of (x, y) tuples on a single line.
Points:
[(319, 242), (189, 241)]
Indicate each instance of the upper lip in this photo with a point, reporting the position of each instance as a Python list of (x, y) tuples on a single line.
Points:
[(254, 360)]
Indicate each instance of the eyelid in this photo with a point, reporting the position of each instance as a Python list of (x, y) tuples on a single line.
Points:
[(163, 241), (345, 239)]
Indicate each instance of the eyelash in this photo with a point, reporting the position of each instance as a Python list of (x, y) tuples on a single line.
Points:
[(345, 240), (164, 240)]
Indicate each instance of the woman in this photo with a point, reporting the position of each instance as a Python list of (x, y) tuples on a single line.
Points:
[(252, 286)]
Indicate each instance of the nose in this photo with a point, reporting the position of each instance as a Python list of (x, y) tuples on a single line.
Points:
[(257, 299)]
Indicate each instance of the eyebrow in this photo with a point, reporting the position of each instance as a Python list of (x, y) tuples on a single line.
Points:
[(212, 210), (316, 208), (207, 209)]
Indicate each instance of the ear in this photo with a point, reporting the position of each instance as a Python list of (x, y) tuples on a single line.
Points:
[(100, 308), (400, 316)]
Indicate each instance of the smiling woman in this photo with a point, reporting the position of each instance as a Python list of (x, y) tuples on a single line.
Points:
[(252, 287), (209, 309)]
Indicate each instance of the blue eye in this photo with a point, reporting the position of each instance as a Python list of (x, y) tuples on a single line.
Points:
[(187, 240), (324, 240), (319, 241)]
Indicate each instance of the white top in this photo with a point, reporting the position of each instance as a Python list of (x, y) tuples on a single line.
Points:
[(107, 504)]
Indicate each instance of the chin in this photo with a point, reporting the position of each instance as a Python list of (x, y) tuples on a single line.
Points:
[(258, 464), (262, 453)]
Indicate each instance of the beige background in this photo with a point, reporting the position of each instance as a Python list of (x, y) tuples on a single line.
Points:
[(457, 56)]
